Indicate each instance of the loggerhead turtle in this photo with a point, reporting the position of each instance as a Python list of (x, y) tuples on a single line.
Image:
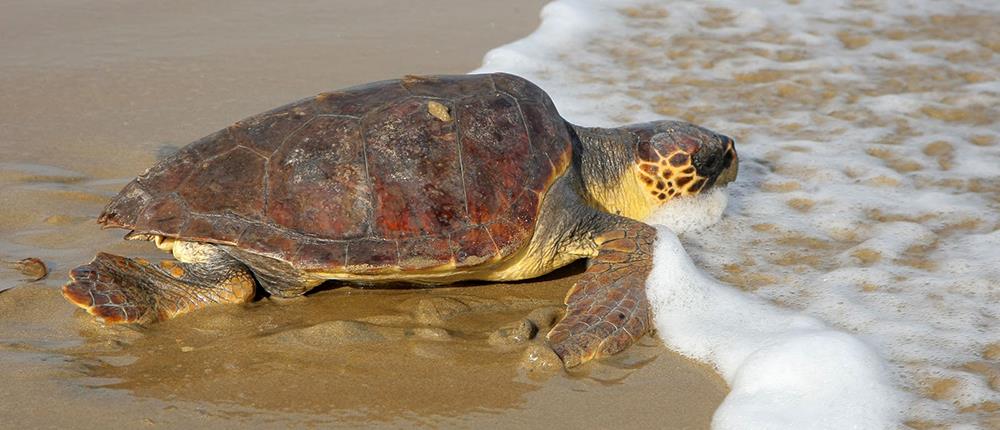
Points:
[(426, 180)]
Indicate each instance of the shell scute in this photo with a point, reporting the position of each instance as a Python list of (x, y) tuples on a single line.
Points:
[(524, 211), (269, 240), (414, 166), (231, 182), (124, 210), (518, 87), (320, 254), (168, 175), (166, 215), (507, 236), (550, 140), (317, 182), (218, 228), (266, 132), (372, 255), (473, 247), (495, 151), (421, 252)]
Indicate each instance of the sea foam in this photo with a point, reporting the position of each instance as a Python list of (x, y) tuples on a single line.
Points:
[(785, 369), (860, 249)]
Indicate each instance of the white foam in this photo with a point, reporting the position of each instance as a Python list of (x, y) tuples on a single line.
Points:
[(692, 213), (847, 214), (785, 370)]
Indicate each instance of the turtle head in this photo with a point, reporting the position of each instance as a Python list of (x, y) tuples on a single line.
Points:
[(676, 159)]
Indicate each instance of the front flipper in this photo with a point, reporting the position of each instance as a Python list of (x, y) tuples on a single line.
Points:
[(124, 290), (607, 310)]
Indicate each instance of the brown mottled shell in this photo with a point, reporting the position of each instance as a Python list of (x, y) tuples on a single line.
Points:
[(396, 175)]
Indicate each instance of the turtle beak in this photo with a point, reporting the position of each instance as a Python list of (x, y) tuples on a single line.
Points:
[(731, 165)]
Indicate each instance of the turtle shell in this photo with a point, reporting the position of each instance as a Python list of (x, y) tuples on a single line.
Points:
[(407, 174)]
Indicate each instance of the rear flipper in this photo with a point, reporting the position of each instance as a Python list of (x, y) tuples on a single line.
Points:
[(607, 310), (124, 290)]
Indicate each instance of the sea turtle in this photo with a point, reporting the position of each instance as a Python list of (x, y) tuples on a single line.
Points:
[(426, 180)]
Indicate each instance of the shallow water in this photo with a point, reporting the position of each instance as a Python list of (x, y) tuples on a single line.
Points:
[(94, 92), (869, 188), (343, 358)]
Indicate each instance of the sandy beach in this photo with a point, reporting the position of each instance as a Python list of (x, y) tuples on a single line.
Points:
[(92, 93)]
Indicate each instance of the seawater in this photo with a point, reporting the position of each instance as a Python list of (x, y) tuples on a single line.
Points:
[(853, 275)]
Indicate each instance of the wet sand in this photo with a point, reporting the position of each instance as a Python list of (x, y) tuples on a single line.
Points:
[(91, 93)]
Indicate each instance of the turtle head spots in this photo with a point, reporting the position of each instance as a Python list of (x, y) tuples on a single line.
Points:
[(677, 159)]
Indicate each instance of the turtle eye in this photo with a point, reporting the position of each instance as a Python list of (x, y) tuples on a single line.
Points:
[(710, 159), (714, 163)]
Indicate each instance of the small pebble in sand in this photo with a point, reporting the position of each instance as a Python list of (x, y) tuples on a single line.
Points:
[(540, 357), (33, 268)]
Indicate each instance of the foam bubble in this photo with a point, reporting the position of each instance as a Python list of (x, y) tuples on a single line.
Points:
[(691, 213)]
